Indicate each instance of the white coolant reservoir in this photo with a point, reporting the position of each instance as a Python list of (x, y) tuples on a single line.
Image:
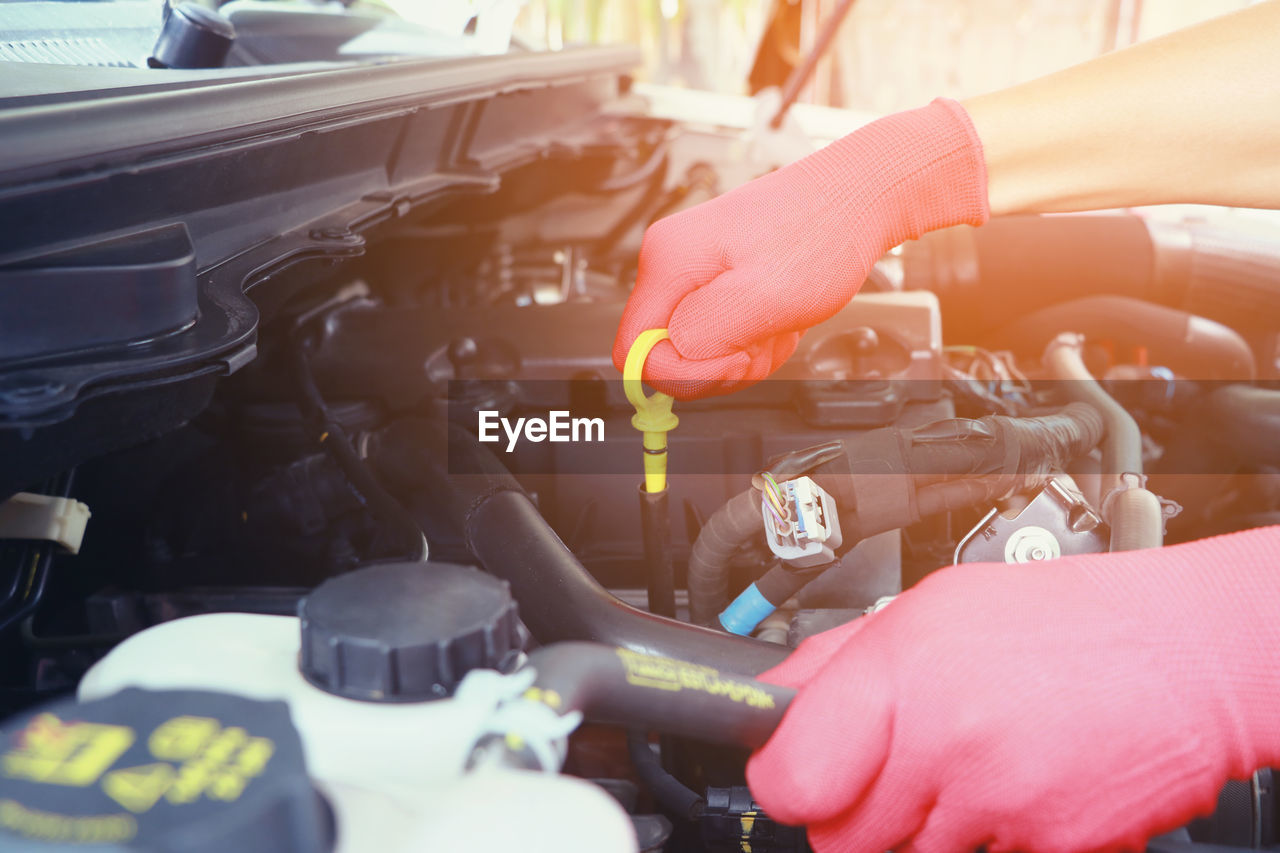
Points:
[(392, 761), (489, 811), (409, 743)]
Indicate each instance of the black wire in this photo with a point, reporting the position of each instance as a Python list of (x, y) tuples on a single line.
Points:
[(672, 794), (700, 176), (26, 594), (40, 558), (638, 176), (335, 439), (643, 205), (973, 392)]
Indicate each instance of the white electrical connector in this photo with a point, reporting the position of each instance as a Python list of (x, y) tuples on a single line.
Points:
[(47, 517), (810, 531)]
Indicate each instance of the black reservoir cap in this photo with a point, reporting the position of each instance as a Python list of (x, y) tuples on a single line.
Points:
[(407, 632), (192, 37), (144, 770)]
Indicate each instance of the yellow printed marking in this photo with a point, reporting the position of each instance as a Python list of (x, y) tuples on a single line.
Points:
[(48, 826), (138, 788), (217, 763), (514, 742), (672, 675), (57, 753), (550, 698), (226, 785), (213, 762), (198, 774), (254, 756), (747, 822), (182, 737)]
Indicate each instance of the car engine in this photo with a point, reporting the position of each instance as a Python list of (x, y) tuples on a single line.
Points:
[(321, 482)]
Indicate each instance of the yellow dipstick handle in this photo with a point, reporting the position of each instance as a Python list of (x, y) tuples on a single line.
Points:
[(653, 415)]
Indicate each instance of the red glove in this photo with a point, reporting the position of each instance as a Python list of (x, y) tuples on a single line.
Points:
[(738, 278), (1083, 704)]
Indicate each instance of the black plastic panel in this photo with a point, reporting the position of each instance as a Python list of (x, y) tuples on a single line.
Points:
[(265, 174), (128, 290)]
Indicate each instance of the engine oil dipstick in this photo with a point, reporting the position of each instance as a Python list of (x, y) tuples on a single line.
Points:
[(653, 415)]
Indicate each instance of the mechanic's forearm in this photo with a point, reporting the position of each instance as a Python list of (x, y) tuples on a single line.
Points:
[(1193, 116)]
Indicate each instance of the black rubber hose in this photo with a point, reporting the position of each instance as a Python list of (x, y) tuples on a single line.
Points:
[(959, 494), (655, 526), (1232, 429), (1246, 420), (623, 687), (1192, 346), (728, 528), (509, 538), (559, 600), (874, 478), (1232, 274), (780, 581), (1027, 448), (980, 274), (674, 796)]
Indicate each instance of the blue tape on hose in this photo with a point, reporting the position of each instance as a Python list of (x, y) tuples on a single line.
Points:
[(746, 612)]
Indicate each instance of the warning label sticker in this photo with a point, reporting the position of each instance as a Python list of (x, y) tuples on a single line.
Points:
[(209, 760), (156, 769)]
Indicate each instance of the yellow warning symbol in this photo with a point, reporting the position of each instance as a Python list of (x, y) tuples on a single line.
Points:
[(61, 753), (211, 761), (138, 788)]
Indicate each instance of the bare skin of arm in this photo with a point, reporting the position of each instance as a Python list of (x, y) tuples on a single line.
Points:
[(1193, 116)]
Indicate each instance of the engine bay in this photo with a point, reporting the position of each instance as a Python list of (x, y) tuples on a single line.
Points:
[(422, 380)]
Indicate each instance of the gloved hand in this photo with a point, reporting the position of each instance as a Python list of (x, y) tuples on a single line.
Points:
[(738, 278), (1083, 704)]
